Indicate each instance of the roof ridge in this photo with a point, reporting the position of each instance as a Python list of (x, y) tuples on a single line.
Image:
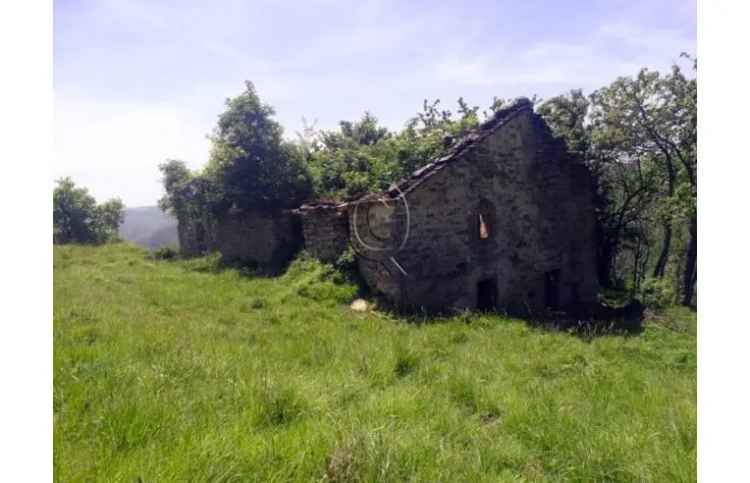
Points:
[(466, 142)]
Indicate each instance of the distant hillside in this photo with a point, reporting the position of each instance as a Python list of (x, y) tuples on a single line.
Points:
[(148, 226)]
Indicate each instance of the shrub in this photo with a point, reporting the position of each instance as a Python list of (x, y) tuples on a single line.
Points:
[(318, 281), (211, 263), (657, 292), (165, 253), (346, 263)]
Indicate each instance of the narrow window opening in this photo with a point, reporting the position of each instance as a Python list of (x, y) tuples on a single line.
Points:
[(484, 232), (482, 222), (487, 294), (552, 289)]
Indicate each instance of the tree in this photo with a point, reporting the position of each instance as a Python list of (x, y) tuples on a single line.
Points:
[(567, 116), (362, 156), (357, 158), (618, 197), (685, 93), (77, 218), (638, 136), (174, 175), (250, 162), (650, 121)]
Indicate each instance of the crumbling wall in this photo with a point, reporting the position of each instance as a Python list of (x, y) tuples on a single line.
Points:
[(536, 201), (326, 230), (196, 236), (266, 239), (196, 222)]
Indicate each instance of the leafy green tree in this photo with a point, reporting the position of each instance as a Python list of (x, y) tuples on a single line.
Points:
[(109, 216), (649, 121), (623, 189), (638, 136), (353, 160), (362, 156), (251, 163), (174, 175), (567, 116), (195, 200), (77, 218)]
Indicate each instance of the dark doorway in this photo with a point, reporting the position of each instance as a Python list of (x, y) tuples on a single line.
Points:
[(552, 289), (487, 294)]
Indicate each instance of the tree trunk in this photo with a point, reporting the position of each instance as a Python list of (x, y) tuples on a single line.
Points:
[(604, 256), (636, 262), (640, 261), (604, 270), (691, 262), (661, 262)]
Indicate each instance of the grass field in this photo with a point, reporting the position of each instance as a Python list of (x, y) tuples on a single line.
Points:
[(176, 371)]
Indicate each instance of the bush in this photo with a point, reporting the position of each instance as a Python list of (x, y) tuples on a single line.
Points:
[(657, 292), (319, 281), (165, 253)]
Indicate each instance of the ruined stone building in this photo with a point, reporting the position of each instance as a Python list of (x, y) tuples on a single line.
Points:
[(196, 225), (264, 239), (505, 220)]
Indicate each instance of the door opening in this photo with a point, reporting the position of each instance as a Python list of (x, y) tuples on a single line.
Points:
[(487, 294), (552, 289)]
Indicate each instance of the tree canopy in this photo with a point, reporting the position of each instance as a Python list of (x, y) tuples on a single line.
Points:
[(77, 218), (637, 135), (251, 163)]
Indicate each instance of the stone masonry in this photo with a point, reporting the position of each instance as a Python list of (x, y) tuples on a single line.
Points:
[(325, 226), (504, 221), (267, 240)]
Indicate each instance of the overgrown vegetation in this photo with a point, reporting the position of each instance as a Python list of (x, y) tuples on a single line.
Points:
[(638, 136), (77, 218), (187, 371)]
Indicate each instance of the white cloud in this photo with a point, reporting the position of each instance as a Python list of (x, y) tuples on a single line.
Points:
[(614, 50), (153, 83), (114, 149)]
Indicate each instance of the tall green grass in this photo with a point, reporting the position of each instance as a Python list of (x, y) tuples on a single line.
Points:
[(182, 371)]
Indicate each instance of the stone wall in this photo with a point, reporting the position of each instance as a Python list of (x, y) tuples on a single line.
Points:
[(326, 230), (537, 206), (267, 240), (196, 236)]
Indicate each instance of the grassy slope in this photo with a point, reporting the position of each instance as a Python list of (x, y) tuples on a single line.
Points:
[(169, 372)]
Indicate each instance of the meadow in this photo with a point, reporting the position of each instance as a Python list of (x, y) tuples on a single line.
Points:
[(187, 371)]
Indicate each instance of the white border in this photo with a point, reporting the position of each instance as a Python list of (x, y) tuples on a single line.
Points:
[(26, 148), (26, 241), (723, 286)]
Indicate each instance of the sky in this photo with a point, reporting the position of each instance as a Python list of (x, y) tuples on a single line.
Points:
[(137, 82)]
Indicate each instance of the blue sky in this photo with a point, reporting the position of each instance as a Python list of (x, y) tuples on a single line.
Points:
[(139, 81)]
